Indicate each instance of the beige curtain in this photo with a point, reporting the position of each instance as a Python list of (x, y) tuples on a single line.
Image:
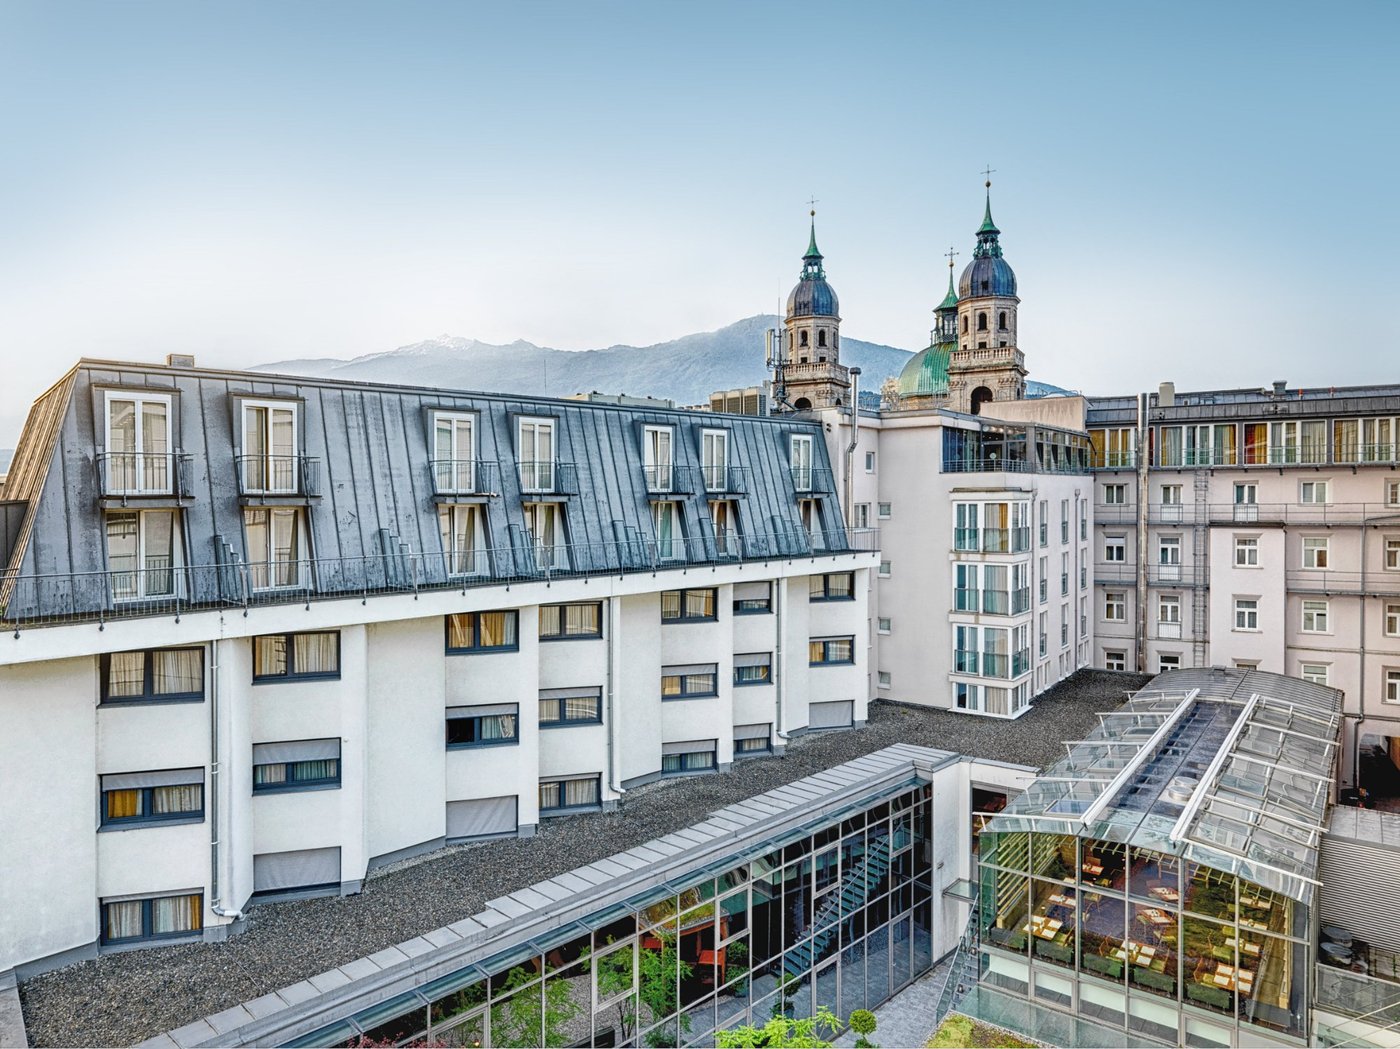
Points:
[(126, 674), (316, 653), (178, 670)]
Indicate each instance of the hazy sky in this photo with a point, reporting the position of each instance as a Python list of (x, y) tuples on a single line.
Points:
[(1200, 192)]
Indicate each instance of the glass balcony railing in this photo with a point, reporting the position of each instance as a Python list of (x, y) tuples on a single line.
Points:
[(967, 600), (968, 539), (994, 664), (965, 662)]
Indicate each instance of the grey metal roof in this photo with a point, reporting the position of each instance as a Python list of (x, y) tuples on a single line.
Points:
[(1370, 826)]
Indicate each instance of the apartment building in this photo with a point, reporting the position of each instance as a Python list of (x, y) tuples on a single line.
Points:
[(263, 634), (1258, 529)]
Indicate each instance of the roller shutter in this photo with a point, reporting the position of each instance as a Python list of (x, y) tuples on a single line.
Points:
[(831, 715), (302, 869), (481, 817)]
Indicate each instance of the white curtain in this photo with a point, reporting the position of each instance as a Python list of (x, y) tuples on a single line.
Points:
[(126, 674), (171, 914), (185, 798), (270, 655), (177, 671), (124, 920), (315, 653)]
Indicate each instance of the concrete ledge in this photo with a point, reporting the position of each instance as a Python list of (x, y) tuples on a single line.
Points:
[(12, 1035)]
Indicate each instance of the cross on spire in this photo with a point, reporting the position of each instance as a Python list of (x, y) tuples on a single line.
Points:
[(813, 205), (987, 173), (951, 253)]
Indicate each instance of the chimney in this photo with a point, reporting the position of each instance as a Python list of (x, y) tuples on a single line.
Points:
[(1166, 395), (1280, 387), (179, 360)]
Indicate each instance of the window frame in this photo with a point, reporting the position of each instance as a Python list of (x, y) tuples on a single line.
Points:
[(1111, 656), (1115, 599), (292, 784), (1322, 485), (148, 679), (139, 397), (291, 674), (564, 721), (271, 567), (1247, 544), (825, 594), (1390, 620), (269, 406), (149, 818), (683, 617), (478, 743), (766, 679), (477, 556), (592, 636), (476, 647), (1324, 678), (712, 754), (1115, 545), (1324, 614), (592, 806), (1390, 550), (715, 473), (1390, 680), (1325, 549), (537, 423), (453, 417), (1118, 492), (765, 610), (826, 643), (1246, 616), (684, 693), (148, 919), (141, 574)]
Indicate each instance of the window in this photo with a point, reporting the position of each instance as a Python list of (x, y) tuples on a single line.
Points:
[(689, 606), (1392, 493), (535, 451), (483, 631), (1064, 521), (454, 453), (1169, 609), (882, 624), (1315, 617), (753, 598), (1115, 606), (463, 531), (137, 460), (1392, 620), (142, 553), (1044, 580), (1044, 522), (829, 650), (1392, 686), (714, 459), (656, 457), (1246, 613), (800, 461), (561, 707), (752, 739), (1314, 672), (884, 570), (1064, 625), (1169, 550), (486, 726), (725, 519), (545, 524), (307, 763), (1168, 661), (290, 657), (1315, 551), (862, 515), (883, 511), (870, 462), (1246, 502), (1115, 660), (274, 535), (162, 675), (1001, 320), (1171, 495), (835, 586), (882, 679), (268, 461), (140, 798), (680, 758), (1392, 553), (575, 621), (1115, 494), (754, 668), (670, 543), (1246, 551), (1064, 574), (697, 681), (981, 321), (152, 918), (1312, 492), (561, 795)]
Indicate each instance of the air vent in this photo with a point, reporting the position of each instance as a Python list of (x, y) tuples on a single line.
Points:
[(1180, 789)]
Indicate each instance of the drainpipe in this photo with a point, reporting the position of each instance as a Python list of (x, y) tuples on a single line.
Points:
[(614, 613), (215, 779), (1141, 587), (851, 450), (780, 685)]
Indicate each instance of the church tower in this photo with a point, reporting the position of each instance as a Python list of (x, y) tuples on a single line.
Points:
[(812, 375), (986, 364)]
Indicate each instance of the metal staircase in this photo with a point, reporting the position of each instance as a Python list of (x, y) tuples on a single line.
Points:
[(855, 890), (963, 968), (1200, 569)]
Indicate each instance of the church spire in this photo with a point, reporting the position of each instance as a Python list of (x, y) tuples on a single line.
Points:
[(950, 301), (812, 261), (988, 234)]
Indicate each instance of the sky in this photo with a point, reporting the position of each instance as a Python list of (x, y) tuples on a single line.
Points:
[(1200, 192)]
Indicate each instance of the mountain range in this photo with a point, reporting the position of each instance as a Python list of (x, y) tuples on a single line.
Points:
[(686, 370)]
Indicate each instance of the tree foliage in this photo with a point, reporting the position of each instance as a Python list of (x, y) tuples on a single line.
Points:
[(783, 1032)]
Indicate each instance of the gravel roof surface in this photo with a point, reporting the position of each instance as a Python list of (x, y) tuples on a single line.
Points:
[(121, 999)]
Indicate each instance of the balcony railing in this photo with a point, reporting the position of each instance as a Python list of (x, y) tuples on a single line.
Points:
[(1021, 662), (994, 665), (1313, 581), (279, 475), (732, 480), (161, 589), (965, 662), (811, 480), (967, 600), (135, 474), (967, 539), (1114, 461), (1020, 600), (669, 479), (465, 477), (547, 477)]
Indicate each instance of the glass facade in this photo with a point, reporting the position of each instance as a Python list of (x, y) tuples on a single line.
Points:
[(838, 914)]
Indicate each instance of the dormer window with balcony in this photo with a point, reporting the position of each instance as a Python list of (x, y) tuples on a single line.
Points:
[(714, 459), (658, 462), (800, 451), (276, 538), (268, 463), (143, 554), (725, 518), (463, 528), (545, 524), (455, 467), (137, 458), (535, 451), (670, 542)]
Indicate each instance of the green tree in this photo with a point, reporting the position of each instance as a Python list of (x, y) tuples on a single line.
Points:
[(783, 1032), (659, 973), (518, 1019), (862, 1022)]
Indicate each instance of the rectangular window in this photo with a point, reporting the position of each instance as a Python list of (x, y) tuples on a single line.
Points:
[(870, 462), (1392, 493), (137, 458), (1169, 609), (695, 681), (152, 918), (800, 462), (274, 536), (753, 598), (1115, 606), (483, 631), (570, 706), (828, 650), (753, 668), (884, 570), (1115, 660), (534, 449), (1246, 613), (1064, 574), (656, 458), (1315, 551), (138, 798), (862, 515), (714, 459), (1392, 620), (1392, 553), (753, 739), (569, 622), (562, 795), (1168, 661), (454, 453), (545, 524), (292, 657), (143, 551), (884, 510), (882, 624), (1171, 495), (1256, 444), (1314, 672), (1312, 492), (1115, 494), (834, 586), (297, 765), (680, 758), (1044, 522), (162, 675), (1115, 549), (689, 606), (268, 460), (463, 532), (882, 679), (1392, 686), (1169, 550), (1315, 617), (1064, 521), (484, 726), (1246, 551)]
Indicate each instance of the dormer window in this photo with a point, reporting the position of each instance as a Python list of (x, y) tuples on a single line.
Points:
[(454, 452), (269, 459), (657, 460), (137, 458), (714, 459), (535, 449), (142, 553)]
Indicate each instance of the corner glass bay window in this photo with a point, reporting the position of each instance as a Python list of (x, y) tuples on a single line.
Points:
[(274, 535), (137, 460), (142, 553), (269, 457), (463, 530)]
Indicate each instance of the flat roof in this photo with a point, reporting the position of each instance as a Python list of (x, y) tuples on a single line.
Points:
[(1233, 769)]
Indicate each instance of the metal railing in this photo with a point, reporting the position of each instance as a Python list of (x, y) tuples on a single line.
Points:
[(730, 479), (547, 477), (809, 479), (1113, 461), (667, 478), (127, 592), (1322, 581), (127, 474), (992, 602), (1373, 1005), (279, 475), (465, 476)]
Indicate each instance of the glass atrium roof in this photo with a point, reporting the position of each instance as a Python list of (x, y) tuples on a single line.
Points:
[(1232, 769)]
